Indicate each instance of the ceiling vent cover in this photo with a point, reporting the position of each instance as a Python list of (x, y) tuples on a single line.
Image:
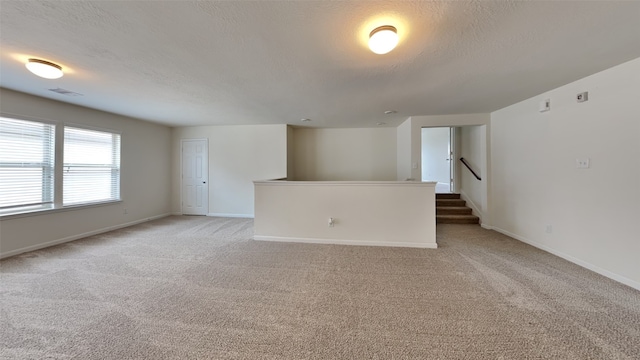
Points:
[(65, 92)]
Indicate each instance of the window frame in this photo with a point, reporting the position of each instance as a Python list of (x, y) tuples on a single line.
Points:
[(117, 160), (47, 186), (58, 167)]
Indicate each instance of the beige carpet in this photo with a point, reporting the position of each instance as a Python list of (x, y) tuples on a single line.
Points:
[(199, 288)]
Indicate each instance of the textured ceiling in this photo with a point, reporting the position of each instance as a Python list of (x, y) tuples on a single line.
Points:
[(204, 62)]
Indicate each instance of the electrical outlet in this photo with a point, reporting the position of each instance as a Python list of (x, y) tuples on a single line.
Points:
[(125, 211), (582, 163), (548, 229), (331, 222)]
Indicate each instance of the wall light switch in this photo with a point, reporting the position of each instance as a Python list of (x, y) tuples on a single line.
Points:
[(545, 105), (582, 163)]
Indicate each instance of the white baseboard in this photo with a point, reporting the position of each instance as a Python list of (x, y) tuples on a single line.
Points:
[(78, 236), (245, 216), (584, 264), (345, 242)]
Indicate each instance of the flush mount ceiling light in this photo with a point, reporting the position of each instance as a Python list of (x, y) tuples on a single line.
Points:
[(305, 120), (383, 39), (44, 69)]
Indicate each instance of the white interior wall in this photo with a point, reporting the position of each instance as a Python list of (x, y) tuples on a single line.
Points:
[(472, 148), (435, 151), (290, 154), (539, 196), (393, 213), (456, 155), (344, 154), (403, 158), (145, 177), (238, 155)]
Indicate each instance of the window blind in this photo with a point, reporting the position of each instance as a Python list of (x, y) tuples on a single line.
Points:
[(91, 171), (26, 163)]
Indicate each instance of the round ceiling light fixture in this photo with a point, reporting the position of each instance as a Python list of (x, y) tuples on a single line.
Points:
[(383, 39), (44, 69)]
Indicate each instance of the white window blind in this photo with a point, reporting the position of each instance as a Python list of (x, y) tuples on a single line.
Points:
[(91, 171), (26, 163)]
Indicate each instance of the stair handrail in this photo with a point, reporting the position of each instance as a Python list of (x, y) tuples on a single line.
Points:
[(470, 169)]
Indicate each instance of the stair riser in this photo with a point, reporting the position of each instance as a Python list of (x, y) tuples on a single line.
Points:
[(450, 203), (457, 221), (461, 211), (447, 196)]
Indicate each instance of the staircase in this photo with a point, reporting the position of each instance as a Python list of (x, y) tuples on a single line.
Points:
[(450, 209)]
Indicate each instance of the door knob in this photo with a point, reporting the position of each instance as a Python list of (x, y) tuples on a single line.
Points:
[(204, 182)]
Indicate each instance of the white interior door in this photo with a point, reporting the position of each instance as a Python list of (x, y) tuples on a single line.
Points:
[(452, 158), (195, 177), (437, 157)]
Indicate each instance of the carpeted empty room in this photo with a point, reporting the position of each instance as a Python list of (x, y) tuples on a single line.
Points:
[(201, 288)]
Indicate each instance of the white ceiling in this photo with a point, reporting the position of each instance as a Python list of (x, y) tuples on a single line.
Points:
[(264, 62)]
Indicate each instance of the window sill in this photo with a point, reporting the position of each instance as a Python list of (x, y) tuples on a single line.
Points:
[(44, 211)]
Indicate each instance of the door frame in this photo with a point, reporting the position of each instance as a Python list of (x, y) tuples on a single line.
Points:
[(206, 142), (453, 153)]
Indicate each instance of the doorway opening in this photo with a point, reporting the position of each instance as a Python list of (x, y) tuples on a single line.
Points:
[(438, 154)]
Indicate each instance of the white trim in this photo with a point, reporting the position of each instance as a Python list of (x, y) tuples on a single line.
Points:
[(246, 216), (29, 118), (619, 278), (44, 211), (78, 236), (177, 213), (453, 154), (345, 242), (90, 127), (345, 183)]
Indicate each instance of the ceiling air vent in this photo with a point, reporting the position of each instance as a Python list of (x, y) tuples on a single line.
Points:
[(65, 92)]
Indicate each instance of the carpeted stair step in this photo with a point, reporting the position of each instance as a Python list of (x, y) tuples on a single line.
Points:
[(450, 202), (457, 219), (453, 210), (447, 196), (450, 209)]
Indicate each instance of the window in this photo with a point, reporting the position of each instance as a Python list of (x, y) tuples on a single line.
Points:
[(85, 166), (91, 170), (26, 164)]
